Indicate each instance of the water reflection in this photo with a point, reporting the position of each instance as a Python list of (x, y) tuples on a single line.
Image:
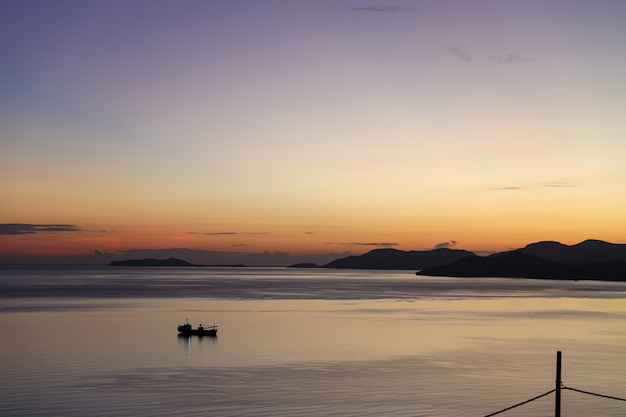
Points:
[(189, 339), (334, 345), (279, 283), (193, 346)]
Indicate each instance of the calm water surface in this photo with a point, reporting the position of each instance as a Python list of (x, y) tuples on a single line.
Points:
[(101, 341)]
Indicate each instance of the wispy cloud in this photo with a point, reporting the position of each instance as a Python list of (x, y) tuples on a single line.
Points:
[(382, 9), (459, 53), (227, 233), (97, 252), (508, 58), (31, 229), (463, 54), (560, 183), (378, 244), (507, 188), (443, 245)]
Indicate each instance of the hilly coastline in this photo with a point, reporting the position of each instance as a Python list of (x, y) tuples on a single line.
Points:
[(398, 259), (590, 259), (517, 264), (588, 251)]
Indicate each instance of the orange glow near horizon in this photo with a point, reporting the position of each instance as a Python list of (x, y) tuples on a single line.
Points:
[(490, 236), (382, 130)]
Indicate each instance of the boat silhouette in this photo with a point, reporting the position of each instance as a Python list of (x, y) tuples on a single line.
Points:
[(187, 330)]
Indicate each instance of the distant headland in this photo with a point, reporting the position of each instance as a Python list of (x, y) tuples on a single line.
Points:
[(588, 260), (164, 262), (518, 264)]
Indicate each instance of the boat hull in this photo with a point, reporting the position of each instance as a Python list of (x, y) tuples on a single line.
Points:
[(187, 330), (196, 332)]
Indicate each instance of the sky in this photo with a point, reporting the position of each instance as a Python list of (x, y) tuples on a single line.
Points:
[(304, 127)]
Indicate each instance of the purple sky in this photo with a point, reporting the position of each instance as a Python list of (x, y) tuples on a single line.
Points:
[(302, 126)]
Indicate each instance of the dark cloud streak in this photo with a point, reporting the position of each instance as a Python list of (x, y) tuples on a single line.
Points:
[(510, 188), (379, 244), (227, 233), (31, 229), (443, 245), (459, 53)]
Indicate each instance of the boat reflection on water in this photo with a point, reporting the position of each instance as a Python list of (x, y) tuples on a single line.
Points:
[(186, 330)]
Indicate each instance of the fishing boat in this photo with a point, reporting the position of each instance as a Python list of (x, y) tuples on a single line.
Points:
[(187, 330)]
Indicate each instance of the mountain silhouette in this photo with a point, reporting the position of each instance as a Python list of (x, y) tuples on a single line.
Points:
[(160, 262), (589, 251), (398, 259), (518, 264), (152, 262)]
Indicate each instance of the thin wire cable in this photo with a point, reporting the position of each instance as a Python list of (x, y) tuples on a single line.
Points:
[(593, 393), (522, 403)]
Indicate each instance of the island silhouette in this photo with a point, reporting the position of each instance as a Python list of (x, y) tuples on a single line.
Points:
[(589, 260), (163, 262)]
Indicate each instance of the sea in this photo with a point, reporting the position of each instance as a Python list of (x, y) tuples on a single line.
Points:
[(103, 341)]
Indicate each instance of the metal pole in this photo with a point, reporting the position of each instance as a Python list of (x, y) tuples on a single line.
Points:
[(557, 401)]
